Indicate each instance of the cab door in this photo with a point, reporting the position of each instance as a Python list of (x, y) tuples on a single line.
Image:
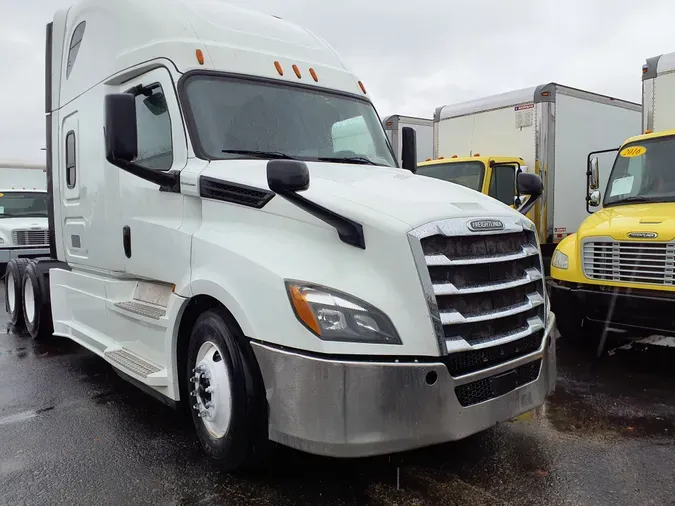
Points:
[(149, 237), (75, 209)]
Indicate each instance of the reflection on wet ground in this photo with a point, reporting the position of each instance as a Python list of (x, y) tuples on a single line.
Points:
[(73, 432)]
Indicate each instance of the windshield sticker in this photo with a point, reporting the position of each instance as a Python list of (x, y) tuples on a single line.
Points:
[(622, 186), (633, 151), (2, 209)]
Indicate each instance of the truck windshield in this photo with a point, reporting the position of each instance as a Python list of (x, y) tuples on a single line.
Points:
[(237, 118), (469, 174), (23, 204), (643, 171)]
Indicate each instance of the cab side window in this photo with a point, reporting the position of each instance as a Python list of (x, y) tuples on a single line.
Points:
[(153, 124), (503, 184)]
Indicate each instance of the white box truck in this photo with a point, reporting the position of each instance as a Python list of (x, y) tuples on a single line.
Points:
[(24, 228), (424, 128), (219, 251), (658, 93), (552, 128)]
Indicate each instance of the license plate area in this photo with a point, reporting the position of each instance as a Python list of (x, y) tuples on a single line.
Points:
[(504, 383)]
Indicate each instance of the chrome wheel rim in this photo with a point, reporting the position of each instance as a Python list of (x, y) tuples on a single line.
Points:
[(211, 388), (29, 300), (11, 298)]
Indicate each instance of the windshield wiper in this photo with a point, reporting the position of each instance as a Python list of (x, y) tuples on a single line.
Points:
[(629, 200), (350, 159), (274, 155)]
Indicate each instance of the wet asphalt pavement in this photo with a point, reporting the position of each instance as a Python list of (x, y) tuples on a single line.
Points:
[(73, 432)]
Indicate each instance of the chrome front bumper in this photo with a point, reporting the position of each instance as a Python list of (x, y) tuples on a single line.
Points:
[(343, 408)]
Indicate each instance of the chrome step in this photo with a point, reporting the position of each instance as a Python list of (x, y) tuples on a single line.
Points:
[(142, 308), (132, 362)]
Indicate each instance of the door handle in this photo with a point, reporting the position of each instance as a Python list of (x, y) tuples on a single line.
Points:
[(126, 240)]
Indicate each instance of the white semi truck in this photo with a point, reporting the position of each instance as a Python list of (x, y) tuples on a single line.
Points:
[(23, 211), (550, 127), (218, 250), (658, 93), (424, 129)]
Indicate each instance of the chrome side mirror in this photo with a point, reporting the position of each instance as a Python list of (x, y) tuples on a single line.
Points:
[(594, 198), (594, 173)]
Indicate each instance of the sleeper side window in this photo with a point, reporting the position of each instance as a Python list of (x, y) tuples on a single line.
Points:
[(71, 160), (153, 124)]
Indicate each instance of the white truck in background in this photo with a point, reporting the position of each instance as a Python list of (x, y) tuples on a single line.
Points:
[(24, 228), (552, 128), (658, 93), (277, 285), (424, 128)]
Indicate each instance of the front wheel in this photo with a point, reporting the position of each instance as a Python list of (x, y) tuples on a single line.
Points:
[(222, 393)]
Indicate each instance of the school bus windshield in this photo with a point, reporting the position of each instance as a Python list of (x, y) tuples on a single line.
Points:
[(643, 171)]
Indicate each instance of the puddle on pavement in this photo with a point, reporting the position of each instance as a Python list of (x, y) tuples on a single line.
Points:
[(574, 413), (23, 416)]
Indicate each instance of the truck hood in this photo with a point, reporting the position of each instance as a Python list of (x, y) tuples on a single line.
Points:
[(365, 189), (618, 221)]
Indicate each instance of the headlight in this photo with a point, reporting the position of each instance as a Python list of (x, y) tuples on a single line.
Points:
[(560, 260), (332, 315), (2, 241)]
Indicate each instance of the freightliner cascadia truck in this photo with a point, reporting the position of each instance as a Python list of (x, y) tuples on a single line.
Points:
[(223, 244)]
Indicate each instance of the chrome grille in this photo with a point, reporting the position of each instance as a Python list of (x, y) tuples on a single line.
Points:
[(30, 237), (629, 261), (484, 289)]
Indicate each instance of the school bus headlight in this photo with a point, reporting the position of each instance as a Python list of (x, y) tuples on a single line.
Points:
[(560, 260)]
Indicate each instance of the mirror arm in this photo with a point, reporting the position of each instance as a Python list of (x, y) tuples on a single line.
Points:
[(167, 181)]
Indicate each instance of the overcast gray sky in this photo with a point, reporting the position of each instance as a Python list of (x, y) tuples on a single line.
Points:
[(412, 57)]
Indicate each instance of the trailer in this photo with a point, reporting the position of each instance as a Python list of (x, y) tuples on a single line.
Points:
[(552, 128), (24, 227), (658, 93), (290, 284), (424, 128)]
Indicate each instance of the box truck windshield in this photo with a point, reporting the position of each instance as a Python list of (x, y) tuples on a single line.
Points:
[(236, 118), (469, 174), (643, 172), (23, 204)]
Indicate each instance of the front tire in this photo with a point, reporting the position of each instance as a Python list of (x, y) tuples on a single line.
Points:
[(16, 269), (37, 311), (223, 394)]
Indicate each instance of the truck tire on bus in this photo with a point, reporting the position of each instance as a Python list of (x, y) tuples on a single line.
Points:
[(223, 394), (37, 311), (16, 269)]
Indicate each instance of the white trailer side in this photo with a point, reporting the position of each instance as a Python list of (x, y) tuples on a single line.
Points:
[(658, 93), (423, 127)]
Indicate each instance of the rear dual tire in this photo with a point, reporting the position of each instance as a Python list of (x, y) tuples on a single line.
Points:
[(26, 302), (14, 274), (37, 310)]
